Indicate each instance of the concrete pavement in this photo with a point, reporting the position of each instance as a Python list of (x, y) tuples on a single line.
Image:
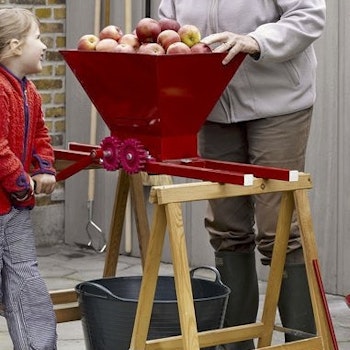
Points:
[(65, 266)]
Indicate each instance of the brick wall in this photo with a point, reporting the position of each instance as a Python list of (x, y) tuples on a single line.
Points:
[(48, 215)]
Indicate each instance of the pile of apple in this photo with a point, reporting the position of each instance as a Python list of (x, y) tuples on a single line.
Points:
[(150, 36)]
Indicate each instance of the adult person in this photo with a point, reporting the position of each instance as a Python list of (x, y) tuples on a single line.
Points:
[(26, 159), (263, 117)]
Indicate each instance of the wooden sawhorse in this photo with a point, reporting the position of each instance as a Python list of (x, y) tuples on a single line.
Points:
[(167, 213), (167, 201)]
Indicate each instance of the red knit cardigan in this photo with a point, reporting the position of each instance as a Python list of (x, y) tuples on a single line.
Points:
[(24, 140)]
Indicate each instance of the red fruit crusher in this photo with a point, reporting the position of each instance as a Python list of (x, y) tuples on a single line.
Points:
[(154, 107)]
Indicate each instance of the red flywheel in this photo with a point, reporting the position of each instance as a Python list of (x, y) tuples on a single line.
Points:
[(110, 146), (132, 155)]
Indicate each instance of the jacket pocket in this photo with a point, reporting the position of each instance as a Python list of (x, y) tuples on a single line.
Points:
[(292, 72)]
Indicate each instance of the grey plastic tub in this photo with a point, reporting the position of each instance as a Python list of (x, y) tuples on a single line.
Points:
[(108, 308)]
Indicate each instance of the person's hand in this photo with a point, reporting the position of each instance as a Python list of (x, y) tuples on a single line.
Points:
[(22, 196), (32, 185), (232, 44), (44, 183)]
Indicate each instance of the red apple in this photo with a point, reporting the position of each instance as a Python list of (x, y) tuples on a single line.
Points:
[(125, 48), (169, 23), (87, 42), (151, 49), (178, 48), (112, 32), (130, 39), (200, 48), (167, 37), (107, 45), (147, 30), (189, 34)]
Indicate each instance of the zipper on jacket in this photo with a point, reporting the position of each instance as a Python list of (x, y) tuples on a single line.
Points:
[(26, 120), (213, 16), (213, 20)]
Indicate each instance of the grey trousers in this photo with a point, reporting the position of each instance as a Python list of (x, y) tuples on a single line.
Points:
[(27, 304), (242, 223)]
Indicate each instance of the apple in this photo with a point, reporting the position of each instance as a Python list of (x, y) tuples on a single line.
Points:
[(151, 49), (107, 45), (123, 47), (112, 32), (169, 23), (189, 34), (130, 39), (87, 42), (167, 37), (200, 48), (178, 48), (147, 30)]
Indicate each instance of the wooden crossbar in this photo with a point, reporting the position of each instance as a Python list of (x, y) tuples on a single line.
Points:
[(65, 305)]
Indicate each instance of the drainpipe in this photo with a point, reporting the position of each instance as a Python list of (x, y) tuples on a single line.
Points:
[(128, 226), (148, 8)]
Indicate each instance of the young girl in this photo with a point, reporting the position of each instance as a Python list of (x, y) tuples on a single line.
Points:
[(26, 159)]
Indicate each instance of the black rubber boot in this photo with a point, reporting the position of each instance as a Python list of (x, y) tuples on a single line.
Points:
[(294, 304), (238, 272)]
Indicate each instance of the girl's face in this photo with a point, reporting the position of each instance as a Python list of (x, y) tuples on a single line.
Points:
[(32, 53)]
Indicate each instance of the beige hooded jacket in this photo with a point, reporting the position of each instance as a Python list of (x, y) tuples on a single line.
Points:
[(282, 80)]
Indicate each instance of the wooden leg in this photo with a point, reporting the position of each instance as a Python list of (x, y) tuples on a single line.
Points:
[(182, 278), (141, 218), (149, 280), (277, 267), (322, 319), (134, 183), (117, 222)]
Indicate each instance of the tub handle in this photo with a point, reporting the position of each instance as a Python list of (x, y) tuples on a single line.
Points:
[(211, 268), (107, 293)]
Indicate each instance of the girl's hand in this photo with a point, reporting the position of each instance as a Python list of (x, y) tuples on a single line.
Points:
[(232, 44), (44, 183)]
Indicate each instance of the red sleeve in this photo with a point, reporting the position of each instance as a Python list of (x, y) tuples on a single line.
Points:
[(13, 178), (43, 154)]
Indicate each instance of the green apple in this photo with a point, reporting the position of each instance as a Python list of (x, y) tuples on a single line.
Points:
[(189, 34)]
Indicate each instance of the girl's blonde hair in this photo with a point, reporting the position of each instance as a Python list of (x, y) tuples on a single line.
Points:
[(15, 23)]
